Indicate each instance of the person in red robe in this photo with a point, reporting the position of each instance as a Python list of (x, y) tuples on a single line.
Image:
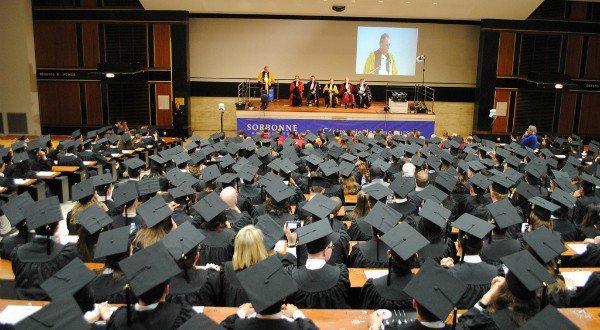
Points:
[(296, 92), (347, 93)]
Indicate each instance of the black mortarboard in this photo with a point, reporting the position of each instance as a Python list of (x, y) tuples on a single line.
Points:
[(43, 212), (20, 157), (68, 280), (287, 166), (378, 191), (158, 159), (435, 289), (182, 240), (543, 208), (381, 164), (549, 318), (112, 242), (320, 206), (248, 172), (148, 268), (433, 193), (272, 231), (61, 314), (91, 134), (501, 184), (565, 184), (571, 171), (435, 213), (76, 134), (316, 236), (329, 167), (191, 145), (113, 139), (346, 169), (134, 163), (93, 218), (314, 159), (181, 158), (15, 208), (402, 186), (279, 191), (101, 180), (348, 157), (82, 190), (475, 166), (527, 191), (125, 193), (473, 225), (335, 151), (525, 274), (210, 206), (590, 179), (563, 198), (404, 240), (226, 161), (446, 181), (536, 169), (154, 211), (504, 213), (417, 161), (546, 244), (182, 191), (211, 173), (382, 217), (227, 178), (266, 283), (200, 321), (148, 185), (263, 151)]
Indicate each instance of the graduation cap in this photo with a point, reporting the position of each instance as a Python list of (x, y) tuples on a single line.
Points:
[(504, 214), (134, 163), (545, 244), (377, 191), (563, 198), (382, 217), (590, 179), (473, 225), (543, 208), (91, 134), (227, 178), (200, 321), (210, 206), (417, 161), (181, 191), (501, 184), (15, 208), (211, 173), (271, 230), (43, 212), (329, 167), (112, 242), (182, 240), (526, 275), (475, 166), (446, 181), (433, 193), (113, 139), (436, 289), (549, 318), (435, 213), (266, 283), (528, 191), (404, 240), (68, 280), (193, 145), (335, 151), (381, 164), (148, 185), (226, 161), (154, 211), (348, 157), (316, 236), (125, 193), (181, 158), (93, 218), (82, 190), (279, 191), (63, 313), (20, 157), (320, 206), (286, 166), (402, 186), (434, 162), (101, 180), (248, 172), (571, 171), (536, 169), (346, 169)]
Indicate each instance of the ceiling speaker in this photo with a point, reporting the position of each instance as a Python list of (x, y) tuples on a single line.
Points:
[(338, 8)]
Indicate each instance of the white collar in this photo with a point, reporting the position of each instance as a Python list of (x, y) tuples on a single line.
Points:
[(553, 217), (141, 308), (68, 154), (314, 264), (418, 188), (401, 200), (434, 325), (472, 259), (129, 215), (1, 175), (88, 150), (107, 271)]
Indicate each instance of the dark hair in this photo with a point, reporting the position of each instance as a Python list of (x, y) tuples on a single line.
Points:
[(153, 295), (471, 245), (278, 209), (425, 314), (215, 223), (133, 173), (48, 231), (86, 244), (519, 310), (401, 266), (592, 218), (375, 172), (430, 230)]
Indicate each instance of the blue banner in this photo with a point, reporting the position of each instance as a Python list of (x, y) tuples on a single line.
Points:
[(254, 125)]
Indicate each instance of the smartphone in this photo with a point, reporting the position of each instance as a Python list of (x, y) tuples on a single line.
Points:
[(293, 225)]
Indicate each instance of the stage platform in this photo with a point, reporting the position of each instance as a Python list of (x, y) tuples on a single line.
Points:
[(280, 115)]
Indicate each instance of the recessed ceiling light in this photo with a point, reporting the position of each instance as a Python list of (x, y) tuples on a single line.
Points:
[(380, 1), (435, 3), (408, 2)]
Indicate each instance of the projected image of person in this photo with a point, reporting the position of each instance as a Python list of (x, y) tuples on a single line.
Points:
[(381, 61), (363, 95), (312, 91), (330, 92), (296, 91), (347, 92)]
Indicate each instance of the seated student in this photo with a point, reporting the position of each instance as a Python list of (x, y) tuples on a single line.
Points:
[(272, 233), (421, 181), (433, 291), (590, 226), (5, 181), (502, 214), (90, 155), (125, 197), (388, 292), (104, 187), (210, 219), (348, 179), (13, 210), (432, 224), (268, 287), (478, 197), (320, 285), (236, 218), (277, 204), (38, 161), (588, 295), (471, 270), (184, 198), (157, 223), (193, 286), (248, 190), (113, 246), (65, 312), (249, 250), (84, 195), (93, 220), (70, 158), (34, 262), (158, 267), (402, 186), (135, 166), (373, 253), (359, 230), (21, 169)]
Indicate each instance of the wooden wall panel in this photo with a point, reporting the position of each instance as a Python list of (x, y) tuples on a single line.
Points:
[(89, 3), (506, 53), (567, 113), (592, 66), (91, 47), (578, 11), (162, 46), (164, 118), (501, 123), (59, 103), (589, 116), (93, 103), (574, 52), (55, 44)]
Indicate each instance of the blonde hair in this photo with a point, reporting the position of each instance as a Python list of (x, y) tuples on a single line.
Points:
[(249, 248), (77, 207), (147, 236), (349, 184)]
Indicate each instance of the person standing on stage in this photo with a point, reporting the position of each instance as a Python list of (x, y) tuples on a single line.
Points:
[(312, 91), (296, 91), (363, 95), (266, 80), (381, 61), (330, 92), (347, 92), (178, 121)]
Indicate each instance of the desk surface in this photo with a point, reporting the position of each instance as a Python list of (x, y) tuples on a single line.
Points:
[(51, 176), (26, 182), (67, 169), (90, 163)]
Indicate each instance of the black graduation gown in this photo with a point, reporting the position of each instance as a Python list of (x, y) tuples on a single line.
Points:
[(234, 322), (478, 278), (406, 208), (437, 250), (71, 160), (9, 183), (164, 316), (238, 221), (587, 232), (217, 248), (589, 295), (32, 266), (120, 221), (93, 156), (249, 192), (339, 253), (501, 246), (581, 207), (475, 319), (327, 287), (233, 294), (9, 243), (568, 231), (364, 255), (106, 288), (203, 288), (376, 294), (360, 230)]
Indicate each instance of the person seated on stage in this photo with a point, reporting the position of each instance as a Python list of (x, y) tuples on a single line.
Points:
[(363, 95), (266, 80), (381, 61), (312, 91), (296, 91), (347, 93), (330, 92)]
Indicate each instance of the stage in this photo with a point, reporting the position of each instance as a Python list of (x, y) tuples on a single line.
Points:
[(280, 115)]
